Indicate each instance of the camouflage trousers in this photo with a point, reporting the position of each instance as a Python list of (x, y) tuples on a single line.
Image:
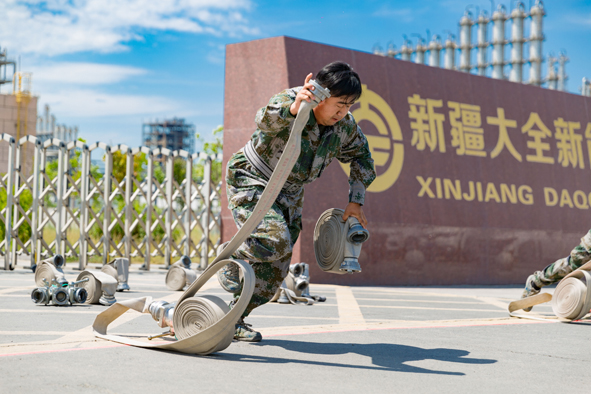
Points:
[(562, 267), (268, 249)]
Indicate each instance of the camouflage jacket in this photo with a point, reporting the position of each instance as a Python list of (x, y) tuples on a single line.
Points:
[(320, 145)]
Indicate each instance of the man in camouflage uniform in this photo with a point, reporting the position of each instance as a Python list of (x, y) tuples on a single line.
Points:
[(558, 269), (331, 132)]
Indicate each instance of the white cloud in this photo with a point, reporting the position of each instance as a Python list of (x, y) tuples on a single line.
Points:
[(54, 27), (92, 103), (403, 14), (580, 20), (83, 73)]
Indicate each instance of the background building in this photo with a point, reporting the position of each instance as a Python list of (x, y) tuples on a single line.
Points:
[(173, 134), (18, 109), (48, 128)]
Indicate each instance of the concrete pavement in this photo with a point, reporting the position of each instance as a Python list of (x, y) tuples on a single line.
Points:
[(362, 339)]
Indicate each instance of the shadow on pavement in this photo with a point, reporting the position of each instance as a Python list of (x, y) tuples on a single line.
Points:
[(384, 356)]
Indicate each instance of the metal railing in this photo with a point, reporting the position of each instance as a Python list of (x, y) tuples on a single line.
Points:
[(155, 207)]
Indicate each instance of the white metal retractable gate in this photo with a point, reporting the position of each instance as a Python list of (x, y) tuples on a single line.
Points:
[(54, 199)]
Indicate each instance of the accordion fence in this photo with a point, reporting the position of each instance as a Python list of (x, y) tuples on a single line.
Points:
[(145, 213)]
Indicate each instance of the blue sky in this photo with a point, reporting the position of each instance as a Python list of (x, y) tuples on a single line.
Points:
[(108, 65)]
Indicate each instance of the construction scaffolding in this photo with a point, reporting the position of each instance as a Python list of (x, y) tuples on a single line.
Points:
[(173, 134)]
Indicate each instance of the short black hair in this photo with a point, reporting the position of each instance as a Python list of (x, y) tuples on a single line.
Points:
[(340, 79)]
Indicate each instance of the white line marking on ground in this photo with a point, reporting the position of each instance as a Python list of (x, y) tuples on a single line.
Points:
[(423, 301), (429, 309), (349, 312), (15, 289), (494, 301)]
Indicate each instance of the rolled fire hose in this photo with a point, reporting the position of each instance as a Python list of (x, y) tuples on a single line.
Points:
[(118, 269), (337, 243), (101, 287), (296, 287), (288, 296), (50, 269), (194, 333), (180, 274), (571, 300)]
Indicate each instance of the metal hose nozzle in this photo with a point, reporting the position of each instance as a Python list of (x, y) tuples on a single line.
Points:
[(77, 295), (40, 295), (59, 296), (162, 312)]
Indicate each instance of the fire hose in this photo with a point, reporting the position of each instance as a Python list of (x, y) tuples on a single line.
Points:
[(296, 287), (337, 243), (180, 274), (99, 286), (118, 269), (48, 270), (571, 300), (203, 325), (102, 285)]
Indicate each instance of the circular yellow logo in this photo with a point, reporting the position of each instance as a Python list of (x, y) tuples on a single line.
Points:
[(386, 148)]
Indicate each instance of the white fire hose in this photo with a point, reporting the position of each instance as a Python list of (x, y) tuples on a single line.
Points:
[(49, 270), (571, 300), (118, 269), (337, 243), (101, 287), (180, 274), (203, 325), (296, 287)]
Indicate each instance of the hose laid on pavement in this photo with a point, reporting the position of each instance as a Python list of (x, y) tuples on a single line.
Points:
[(295, 289), (571, 300), (101, 287), (180, 274), (118, 269), (288, 296), (196, 334), (49, 270)]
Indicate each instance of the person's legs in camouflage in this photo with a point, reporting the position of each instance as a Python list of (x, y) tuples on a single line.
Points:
[(268, 249), (558, 269), (269, 277)]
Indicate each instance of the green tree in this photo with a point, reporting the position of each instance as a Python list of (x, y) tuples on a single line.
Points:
[(211, 148), (120, 165)]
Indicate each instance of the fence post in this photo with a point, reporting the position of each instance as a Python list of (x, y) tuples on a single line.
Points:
[(18, 172), (84, 185), (150, 186), (60, 200), (206, 192), (107, 202), (168, 218), (128, 203), (40, 202), (8, 216), (188, 189), (35, 208)]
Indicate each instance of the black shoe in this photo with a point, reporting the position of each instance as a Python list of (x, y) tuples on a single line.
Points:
[(245, 333)]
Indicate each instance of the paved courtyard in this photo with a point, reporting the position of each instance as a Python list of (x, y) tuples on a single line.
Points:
[(362, 339)]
